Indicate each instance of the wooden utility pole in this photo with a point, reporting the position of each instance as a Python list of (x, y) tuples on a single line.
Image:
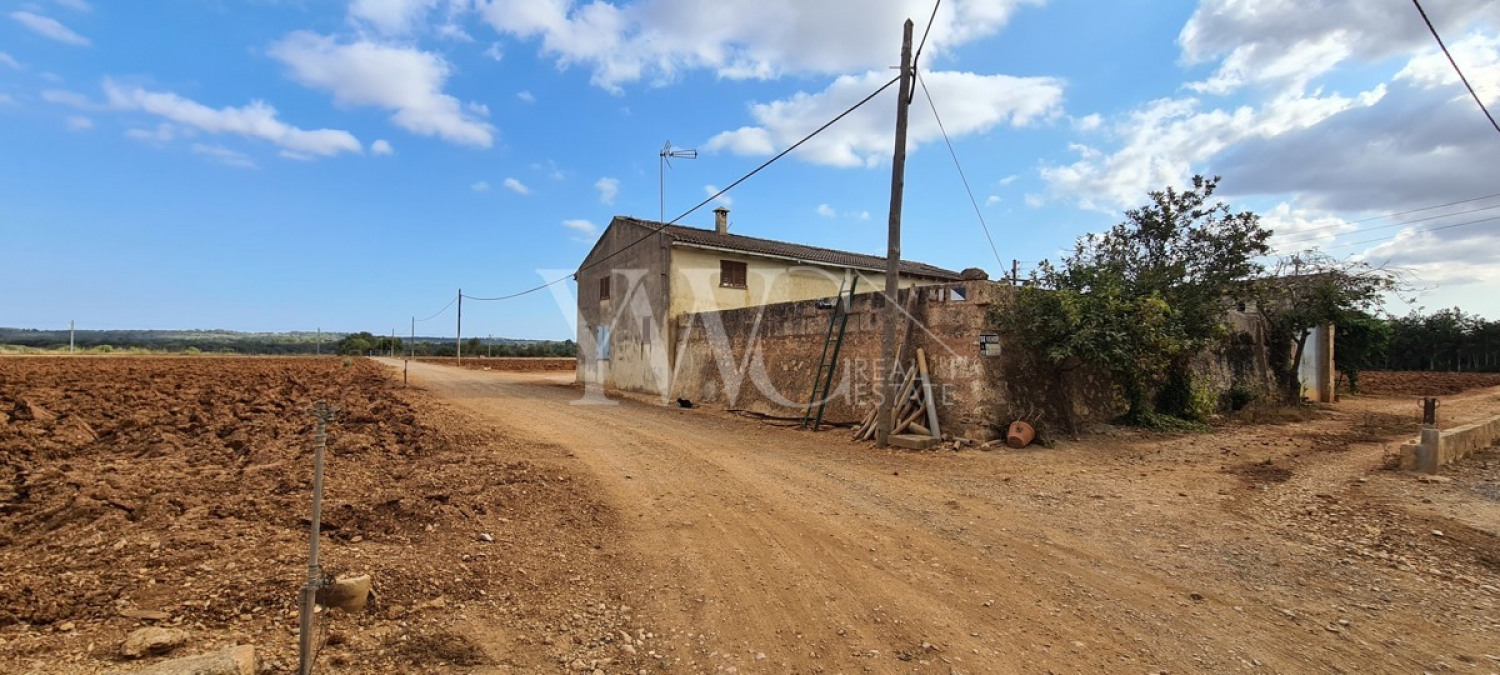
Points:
[(1015, 272), (883, 421), (458, 334)]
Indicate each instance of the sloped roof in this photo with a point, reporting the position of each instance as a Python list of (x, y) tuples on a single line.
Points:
[(693, 236)]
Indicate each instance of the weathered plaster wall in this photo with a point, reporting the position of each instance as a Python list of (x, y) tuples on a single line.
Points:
[(633, 316), (696, 288)]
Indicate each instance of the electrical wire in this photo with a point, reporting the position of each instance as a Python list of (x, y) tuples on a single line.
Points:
[(1456, 69), (1299, 239), (440, 312), (1430, 229), (1397, 213), (662, 226), (954, 154), (925, 32)]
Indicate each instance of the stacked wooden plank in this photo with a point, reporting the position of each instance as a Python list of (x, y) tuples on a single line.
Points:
[(913, 410)]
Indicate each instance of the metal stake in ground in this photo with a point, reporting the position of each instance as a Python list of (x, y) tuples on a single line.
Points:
[(324, 413)]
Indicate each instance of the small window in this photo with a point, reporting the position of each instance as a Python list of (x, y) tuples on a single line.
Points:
[(731, 274), (604, 288), (645, 330)]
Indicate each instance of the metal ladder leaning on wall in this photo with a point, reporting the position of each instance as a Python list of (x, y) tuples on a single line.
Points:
[(828, 362)]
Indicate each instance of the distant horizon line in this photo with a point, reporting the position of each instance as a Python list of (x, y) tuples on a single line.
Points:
[(229, 331)]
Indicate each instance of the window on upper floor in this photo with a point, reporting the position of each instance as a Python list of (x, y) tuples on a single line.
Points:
[(732, 274), (603, 289)]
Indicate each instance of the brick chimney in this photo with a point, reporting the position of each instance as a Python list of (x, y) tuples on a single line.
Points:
[(721, 220)]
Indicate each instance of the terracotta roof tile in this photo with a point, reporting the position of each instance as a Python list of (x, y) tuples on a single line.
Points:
[(753, 245)]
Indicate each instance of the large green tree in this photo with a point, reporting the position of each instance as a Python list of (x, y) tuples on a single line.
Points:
[(1140, 300)]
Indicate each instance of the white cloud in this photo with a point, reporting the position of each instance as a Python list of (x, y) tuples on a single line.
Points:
[(382, 147), (723, 200), (1167, 140), (403, 79), (8, 60), (1035, 201), (256, 120), (517, 186), (526, 96), (495, 52), (864, 215), (480, 186), (7, 100), (608, 189), (79, 123), (1007, 180), (656, 40), (49, 28), (1414, 146), (223, 156), (992, 200), (1299, 229), (1287, 43), (1088, 122), (161, 134), (70, 98), (391, 17), (76, 5), (580, 225), (826, 211), (969, 103)]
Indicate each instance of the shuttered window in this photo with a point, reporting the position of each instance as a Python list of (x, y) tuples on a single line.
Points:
[(604, 288), (731, 274)]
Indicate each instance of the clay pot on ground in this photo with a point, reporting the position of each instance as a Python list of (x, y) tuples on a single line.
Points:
[(1019, 435)]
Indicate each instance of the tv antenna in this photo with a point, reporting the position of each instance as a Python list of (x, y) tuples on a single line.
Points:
[(667, 154)]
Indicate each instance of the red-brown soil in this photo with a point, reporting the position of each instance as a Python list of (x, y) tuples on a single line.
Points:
[(638, 536), (1422, 383), (183, 486)]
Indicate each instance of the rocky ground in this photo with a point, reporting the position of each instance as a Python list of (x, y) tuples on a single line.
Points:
[(175, 492)]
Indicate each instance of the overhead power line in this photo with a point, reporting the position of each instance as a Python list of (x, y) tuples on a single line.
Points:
[(954, 154), (439, 312), (918, 57), (1430, 229), (1299, 238), (662, 226), (1456, 69)]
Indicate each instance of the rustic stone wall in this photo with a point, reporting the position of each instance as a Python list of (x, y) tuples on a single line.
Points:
[(764, 359)]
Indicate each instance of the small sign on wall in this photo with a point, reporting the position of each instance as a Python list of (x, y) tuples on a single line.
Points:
[(989, 344)]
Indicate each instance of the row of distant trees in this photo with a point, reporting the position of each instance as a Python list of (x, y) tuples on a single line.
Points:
[(369, 343), (1446, 340)]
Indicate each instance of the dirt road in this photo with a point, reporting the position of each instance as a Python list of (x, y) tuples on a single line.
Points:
[(759, 549)]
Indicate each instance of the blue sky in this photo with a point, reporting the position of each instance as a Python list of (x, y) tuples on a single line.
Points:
[(285, 165)]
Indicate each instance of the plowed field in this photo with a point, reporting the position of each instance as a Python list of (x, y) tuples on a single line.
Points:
[(182, 486), (1421, 383)]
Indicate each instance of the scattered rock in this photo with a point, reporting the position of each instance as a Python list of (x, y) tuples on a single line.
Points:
[(145, 614), (486, 537), (27, 410), (232, 660), (152, 641), (1437, 533)]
